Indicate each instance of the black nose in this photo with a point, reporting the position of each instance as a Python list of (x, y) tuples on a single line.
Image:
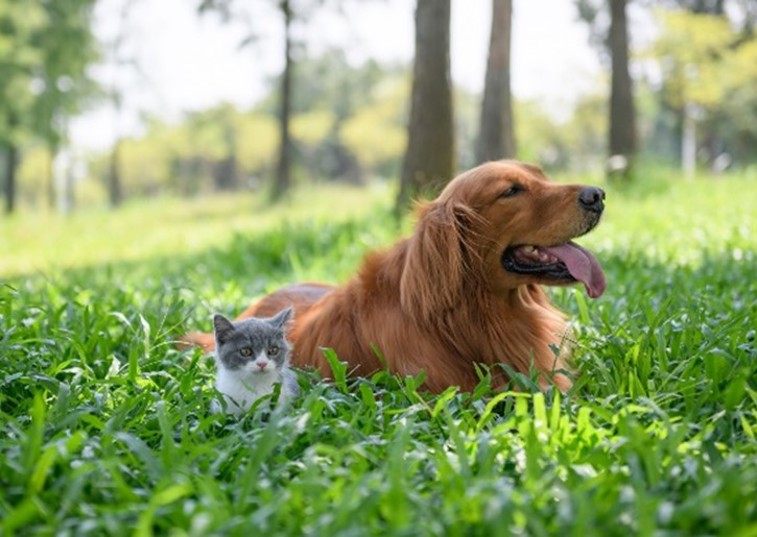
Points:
[(592, 199)]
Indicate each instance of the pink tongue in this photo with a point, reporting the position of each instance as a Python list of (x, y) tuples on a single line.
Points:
[(582, 265)]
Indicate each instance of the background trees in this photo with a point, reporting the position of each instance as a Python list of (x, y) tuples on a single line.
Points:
[(290, 11), (430, 157), (496, 138), (45, 49), (18, 58), (684, 94), (622, 108), (709, 68), (608, 23)]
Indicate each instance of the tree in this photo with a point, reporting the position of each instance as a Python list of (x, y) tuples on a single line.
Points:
[(117, 55), (330, 91), (430, 156), (291, 11), (283, 171), (496, 137), (709, 80), (67, 48), (18, 57), (622, 110), (611, 37), (11, 162)]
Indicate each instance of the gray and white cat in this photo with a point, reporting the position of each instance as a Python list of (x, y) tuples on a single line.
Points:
[(252, 355)]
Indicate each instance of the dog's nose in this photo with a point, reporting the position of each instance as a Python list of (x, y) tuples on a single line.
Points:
[(592, 199)]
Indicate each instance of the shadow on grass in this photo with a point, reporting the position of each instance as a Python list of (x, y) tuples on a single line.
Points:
[(249, 265), (257, 262)]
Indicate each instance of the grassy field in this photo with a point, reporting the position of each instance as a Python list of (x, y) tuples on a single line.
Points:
[(105, 427)]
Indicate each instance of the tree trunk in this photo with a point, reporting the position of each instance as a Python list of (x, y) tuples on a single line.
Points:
[(430, 157), (622, 111), (115, 190), (283, 174), (50, 181), (68, 195), (496, 137), (11, 165)]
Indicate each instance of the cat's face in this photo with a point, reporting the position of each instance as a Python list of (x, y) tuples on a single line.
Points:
[(252, 346)]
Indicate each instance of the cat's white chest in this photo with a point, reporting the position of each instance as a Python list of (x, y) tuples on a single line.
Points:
[(240, 388)]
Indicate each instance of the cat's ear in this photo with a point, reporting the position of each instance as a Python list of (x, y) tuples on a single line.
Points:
[(222, 328), (282, 317)]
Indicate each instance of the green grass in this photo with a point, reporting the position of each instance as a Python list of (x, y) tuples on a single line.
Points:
[(105, 428)]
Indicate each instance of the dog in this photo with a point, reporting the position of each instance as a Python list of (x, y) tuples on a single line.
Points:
[(463, 291)]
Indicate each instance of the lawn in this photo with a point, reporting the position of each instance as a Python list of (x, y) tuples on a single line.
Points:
[(105, 427)]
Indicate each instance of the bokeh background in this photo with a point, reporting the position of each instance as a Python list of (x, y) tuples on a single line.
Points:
[(104, 102)]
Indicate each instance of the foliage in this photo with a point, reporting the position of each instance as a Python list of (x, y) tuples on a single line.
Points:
[(106, 429), (690, 52), (18, 58), (376, 133), (349, 121), (45, 50), (707, 64), (67, 48), (224, 148), (32, 173), (575, 143)]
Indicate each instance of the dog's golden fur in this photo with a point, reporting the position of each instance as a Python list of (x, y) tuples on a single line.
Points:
[(441, 301)]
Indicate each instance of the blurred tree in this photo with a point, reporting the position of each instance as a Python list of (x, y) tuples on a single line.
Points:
[(290, 11), (329, 93), (213, 134), (430, 157), (575, 143), (31, 174), (376, 132), (257, 145), (496, 137), (223, 148), (118, 56), (67, 48), (622, 108), (611, 33), (710, 82), (11, 162), (713, 7), (18, 58), (283, 170)]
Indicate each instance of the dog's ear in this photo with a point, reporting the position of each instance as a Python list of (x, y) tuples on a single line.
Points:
[(437, 260)]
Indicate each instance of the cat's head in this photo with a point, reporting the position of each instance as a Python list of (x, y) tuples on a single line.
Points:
[(254, 345)]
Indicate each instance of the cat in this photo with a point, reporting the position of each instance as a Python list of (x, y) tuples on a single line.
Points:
[(251, 356)]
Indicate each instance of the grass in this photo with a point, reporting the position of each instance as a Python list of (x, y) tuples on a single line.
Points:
[(143, 230), (105, 428)]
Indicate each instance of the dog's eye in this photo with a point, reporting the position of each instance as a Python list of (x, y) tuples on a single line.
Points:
[(245, 351), (512, 191)]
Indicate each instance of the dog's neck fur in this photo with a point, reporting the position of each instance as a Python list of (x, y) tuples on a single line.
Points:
[(505, 330), (488, 329)]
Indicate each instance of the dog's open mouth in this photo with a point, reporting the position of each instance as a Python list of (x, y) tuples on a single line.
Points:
[(565, 263)]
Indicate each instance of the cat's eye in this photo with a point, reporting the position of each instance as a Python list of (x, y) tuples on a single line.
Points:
[(245, 351), (273, 350)]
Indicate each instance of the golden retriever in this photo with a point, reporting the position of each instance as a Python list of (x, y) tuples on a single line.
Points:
[(463, 289)]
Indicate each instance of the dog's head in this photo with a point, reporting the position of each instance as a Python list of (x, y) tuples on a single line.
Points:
[(502, 225)]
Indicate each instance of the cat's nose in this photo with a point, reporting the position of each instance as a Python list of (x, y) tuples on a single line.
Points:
[(262, 365)]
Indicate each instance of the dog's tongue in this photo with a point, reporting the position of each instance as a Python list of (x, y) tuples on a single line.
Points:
[(583, 266)]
